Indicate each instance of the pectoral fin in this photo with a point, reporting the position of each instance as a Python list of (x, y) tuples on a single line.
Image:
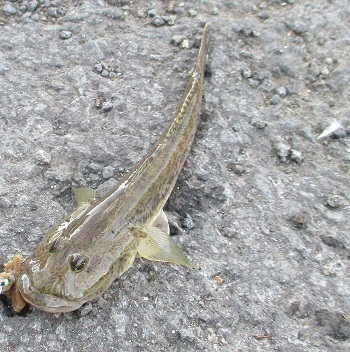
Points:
[(83, 195), (155, 244)]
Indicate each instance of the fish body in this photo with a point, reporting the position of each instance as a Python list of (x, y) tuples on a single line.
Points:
[(80, 257)]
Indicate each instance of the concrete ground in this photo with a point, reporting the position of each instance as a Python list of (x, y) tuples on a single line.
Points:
[(87, 86)]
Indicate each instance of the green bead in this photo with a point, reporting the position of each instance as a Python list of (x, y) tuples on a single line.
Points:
[(4, 282)]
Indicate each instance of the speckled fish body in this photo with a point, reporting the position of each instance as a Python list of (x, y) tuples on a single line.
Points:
[(79, 259)]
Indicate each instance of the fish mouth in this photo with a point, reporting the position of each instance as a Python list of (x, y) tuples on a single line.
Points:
[(44, 301)]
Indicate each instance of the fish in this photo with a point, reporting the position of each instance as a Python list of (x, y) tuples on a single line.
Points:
[(78, 259)]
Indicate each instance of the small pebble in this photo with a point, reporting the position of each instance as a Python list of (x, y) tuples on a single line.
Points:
[(282, 151), (55, 176), (259, 124), (218, 194), (299, 27), (247, 72), (113, 75), (98, 103), (176, 40), (108, 172), (313, 70), (93, 179), (5, 202), (308, 37), (62, 11), (329, 61), (35, 17), (264, 15), (52, 11), (188, 223), (218, 279), (202, 175), (192, 13), (42, 157), (324, 71), (185, 44), (179, 10), (261, 75), (253, 82), (281, 92), (334, 202), (171, 5), (65, 34), (204, 315), (94, 168), (267, 86), (236, 127), (107, 106), (215, 11), (140, 14), (152, 12), (120, 104), (275, 100), (3, 69), (321, 40), (32, 6), (296, 156), (9, 10), (169, 20), (104, 73), (98, 68), (238, 169), (247, 32), (329, 269), (158, 21), (299, 220)]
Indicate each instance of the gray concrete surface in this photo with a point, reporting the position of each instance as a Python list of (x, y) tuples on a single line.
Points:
[(264, 205)]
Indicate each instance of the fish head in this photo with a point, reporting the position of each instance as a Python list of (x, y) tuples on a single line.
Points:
[(55, 286), (70, 268)]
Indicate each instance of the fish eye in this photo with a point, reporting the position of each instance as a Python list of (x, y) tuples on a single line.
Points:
[(77, 262)]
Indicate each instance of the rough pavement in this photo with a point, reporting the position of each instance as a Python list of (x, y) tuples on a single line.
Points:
[(86, 87)]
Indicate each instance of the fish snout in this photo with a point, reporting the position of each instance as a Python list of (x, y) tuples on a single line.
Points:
[(44, 292)]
